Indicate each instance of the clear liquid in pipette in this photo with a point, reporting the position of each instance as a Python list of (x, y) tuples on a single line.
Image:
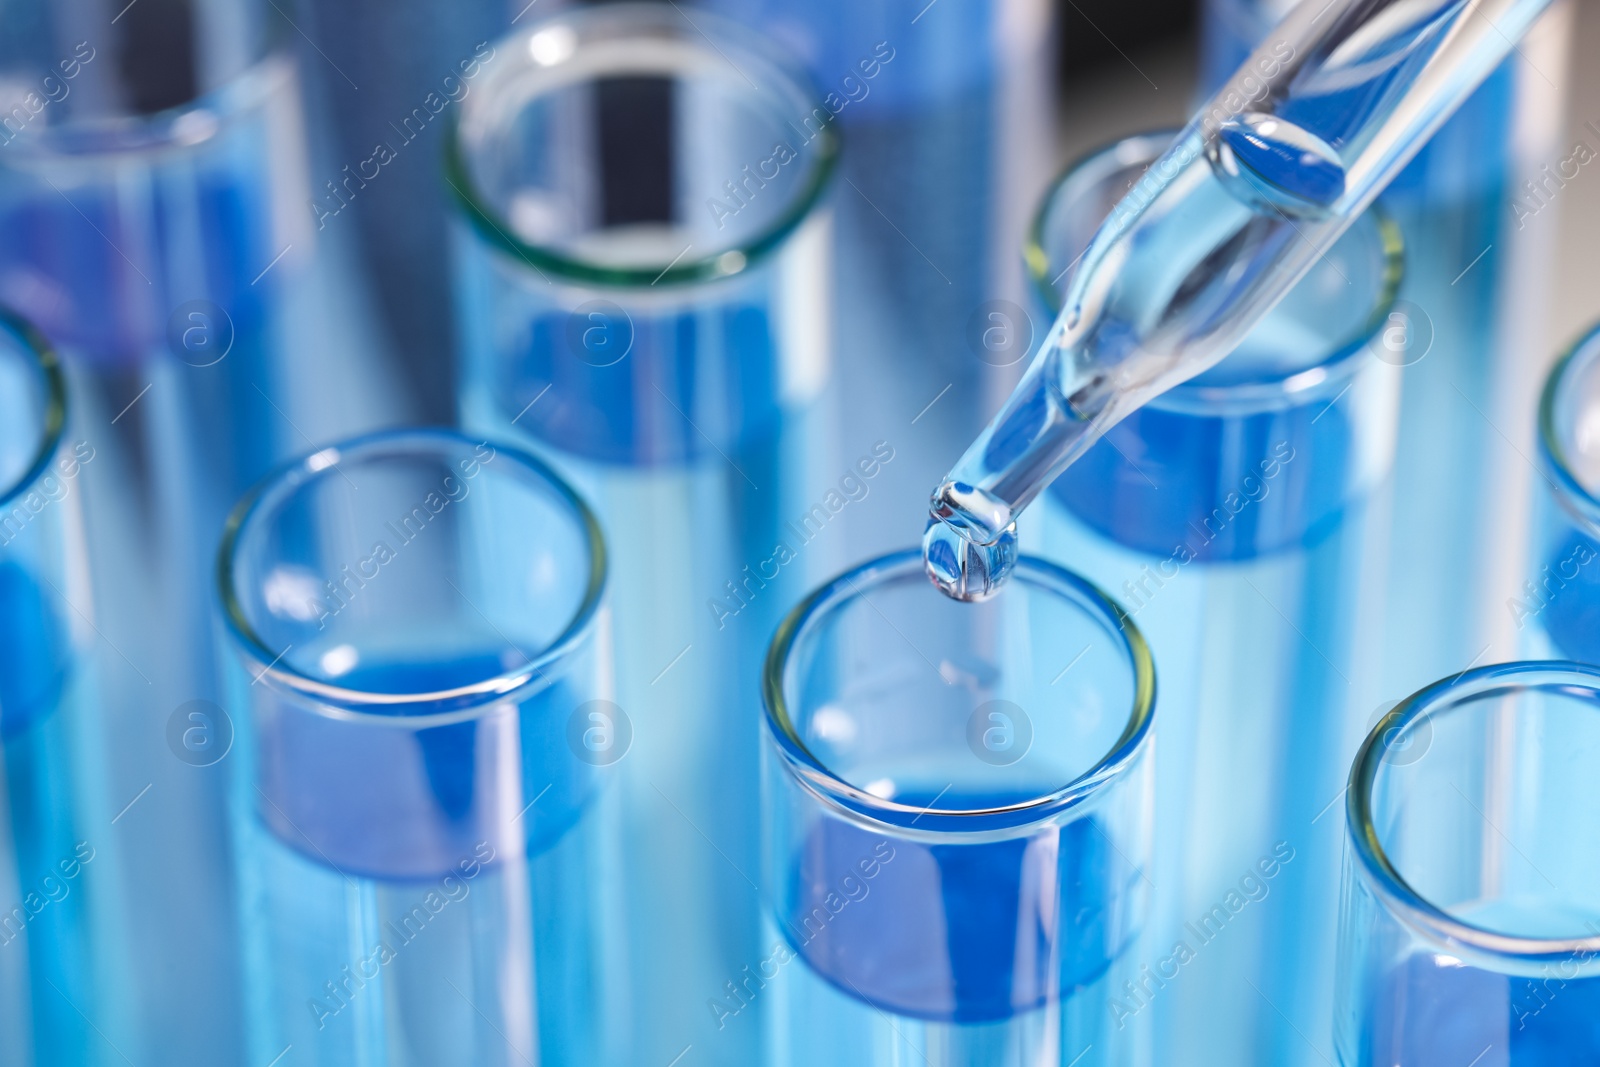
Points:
[(1174, 292)]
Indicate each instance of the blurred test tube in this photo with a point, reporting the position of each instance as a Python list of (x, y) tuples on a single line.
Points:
[(425, 841), (1469, 926), (62, 957), (155, 222), (1478, 206), (641, 288), (1557, 609), (957, 814), (386, 75), (1234, 516)]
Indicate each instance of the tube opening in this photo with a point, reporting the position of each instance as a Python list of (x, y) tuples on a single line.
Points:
[(1474, 812), (411, 572), (890, 699), (708, 149)]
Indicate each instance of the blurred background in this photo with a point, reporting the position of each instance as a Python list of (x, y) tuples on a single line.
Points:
[(255, 227)]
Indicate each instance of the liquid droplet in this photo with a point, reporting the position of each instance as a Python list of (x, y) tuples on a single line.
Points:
[(1266, 162), (964, 569)]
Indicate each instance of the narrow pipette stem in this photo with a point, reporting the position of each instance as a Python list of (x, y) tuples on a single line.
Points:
[(1250, 195)]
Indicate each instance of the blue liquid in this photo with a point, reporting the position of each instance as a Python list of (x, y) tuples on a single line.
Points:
[(697, 414), (1157, 320), (515, 918), (33, 658), (1275, 165), (103, 263), (651, 407), (1214, 490), (1263, 700), (957, 933), (1565, 599), (1431, 1011), (1229, 518), (888, 951), (46, 968)]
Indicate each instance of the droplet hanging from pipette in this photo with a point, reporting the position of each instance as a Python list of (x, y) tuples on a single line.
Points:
[(1267, 162), (965, 569)]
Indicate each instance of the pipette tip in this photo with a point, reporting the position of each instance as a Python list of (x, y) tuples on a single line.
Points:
[(962, 568)]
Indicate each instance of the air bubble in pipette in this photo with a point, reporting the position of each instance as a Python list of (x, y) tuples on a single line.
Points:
[(1267, 162)]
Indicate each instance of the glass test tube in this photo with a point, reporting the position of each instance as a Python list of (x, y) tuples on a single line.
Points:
[(948, 112), (957, 812), (386, 72), (59, 959), (154, 224), (423, 840), (1557, 610), (641, 274), (1477, 208), (1234, 514), (1470, 930)]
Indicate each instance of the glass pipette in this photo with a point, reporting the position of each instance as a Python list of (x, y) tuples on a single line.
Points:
[(1302, 138)]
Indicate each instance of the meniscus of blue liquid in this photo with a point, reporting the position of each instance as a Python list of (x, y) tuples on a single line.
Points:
[(1255, 189)]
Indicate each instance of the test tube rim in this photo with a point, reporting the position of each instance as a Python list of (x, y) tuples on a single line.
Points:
[(1571, 494), (815, 776), (494, 229), (54, 393), (1328, 375), (1457, 936), (457, 704), (109, 139)]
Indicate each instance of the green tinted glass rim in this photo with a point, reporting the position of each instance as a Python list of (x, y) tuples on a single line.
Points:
[(828, 786), (457, 704), (1570, 492), (54, 391), (779, 76)]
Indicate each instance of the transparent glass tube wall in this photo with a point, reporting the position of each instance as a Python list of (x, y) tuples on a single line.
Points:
[(643, 296), (957, 816), (1471, 925), (154, 222), (1557, 610), (62, 961), (1479, 207), (1234, 516), (426, 847)]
